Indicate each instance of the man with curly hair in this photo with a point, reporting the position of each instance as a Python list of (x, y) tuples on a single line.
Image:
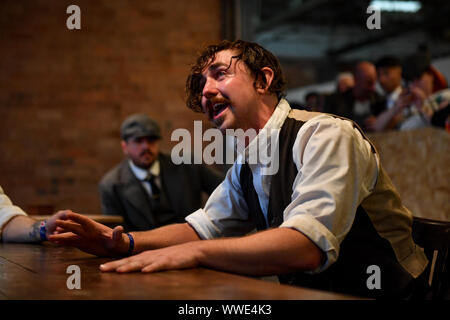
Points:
[(323, 220)]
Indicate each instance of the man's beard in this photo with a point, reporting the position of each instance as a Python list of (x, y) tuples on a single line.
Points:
[(144, 165)]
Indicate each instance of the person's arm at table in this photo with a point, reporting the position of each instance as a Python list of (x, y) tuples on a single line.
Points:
[(22, 228), (16, 226), (275, 251), (96, 238)]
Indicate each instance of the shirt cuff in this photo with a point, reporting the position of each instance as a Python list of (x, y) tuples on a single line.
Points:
[(317, 233), (202, 225)]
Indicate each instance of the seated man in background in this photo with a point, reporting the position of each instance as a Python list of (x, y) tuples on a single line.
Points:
[(16, 226), (324, 218), (146, 188), (361, 101)]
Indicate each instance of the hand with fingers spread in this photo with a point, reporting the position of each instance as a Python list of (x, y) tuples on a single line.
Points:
[(181, 256), (85, 234)]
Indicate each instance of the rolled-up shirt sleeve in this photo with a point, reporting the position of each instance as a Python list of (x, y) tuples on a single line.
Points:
[(7, 210), (225, 213), (337, 169)]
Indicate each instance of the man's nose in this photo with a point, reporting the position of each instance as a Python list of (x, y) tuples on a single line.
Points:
[(144, 143), (210, 88)]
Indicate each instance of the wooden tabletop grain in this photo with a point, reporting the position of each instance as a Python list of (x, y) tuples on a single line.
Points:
[(39, 271)]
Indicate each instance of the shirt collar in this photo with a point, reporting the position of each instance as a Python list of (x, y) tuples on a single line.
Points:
[(141, 174), (279, 115), (275, 122), (394, 94)]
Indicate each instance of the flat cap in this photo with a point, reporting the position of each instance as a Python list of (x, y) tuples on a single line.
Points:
[(139, 125)]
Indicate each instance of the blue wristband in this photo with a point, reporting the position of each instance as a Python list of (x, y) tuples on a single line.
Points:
[(130, 249), (43, 231)]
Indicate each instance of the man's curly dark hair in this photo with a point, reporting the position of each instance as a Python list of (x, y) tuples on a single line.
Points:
[(252, 54)]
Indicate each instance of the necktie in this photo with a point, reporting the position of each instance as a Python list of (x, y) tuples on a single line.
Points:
[(156, 192)]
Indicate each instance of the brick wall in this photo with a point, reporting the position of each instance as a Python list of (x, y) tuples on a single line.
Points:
[(63, 94)]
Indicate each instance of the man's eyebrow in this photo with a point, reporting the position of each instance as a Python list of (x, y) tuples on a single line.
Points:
[(217, 65), (214, 66)]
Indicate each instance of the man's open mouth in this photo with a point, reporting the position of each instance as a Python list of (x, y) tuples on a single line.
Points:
[(218, 108)]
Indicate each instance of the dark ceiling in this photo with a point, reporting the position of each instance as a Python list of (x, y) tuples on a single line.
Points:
[(337, 28), (335, 31)]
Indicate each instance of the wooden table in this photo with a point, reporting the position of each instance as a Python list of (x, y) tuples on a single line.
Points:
[(35, 271)]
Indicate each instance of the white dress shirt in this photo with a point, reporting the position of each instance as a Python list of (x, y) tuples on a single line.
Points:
[(392, 97)]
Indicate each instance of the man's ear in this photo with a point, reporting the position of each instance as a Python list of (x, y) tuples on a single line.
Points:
[(263, 87), (123, 144)]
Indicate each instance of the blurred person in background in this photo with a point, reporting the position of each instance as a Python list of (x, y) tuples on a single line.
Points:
[(362, 101), (314, 101), (425, 101), (389, 71), (345, 81)]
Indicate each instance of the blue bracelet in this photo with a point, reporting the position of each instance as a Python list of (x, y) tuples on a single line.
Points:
[(130, 249), (43, 231)]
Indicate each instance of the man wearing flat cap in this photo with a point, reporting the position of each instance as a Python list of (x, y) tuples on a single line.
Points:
[(146, 188)]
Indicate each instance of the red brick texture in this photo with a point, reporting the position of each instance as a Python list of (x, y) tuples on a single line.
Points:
[(63, 93)]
